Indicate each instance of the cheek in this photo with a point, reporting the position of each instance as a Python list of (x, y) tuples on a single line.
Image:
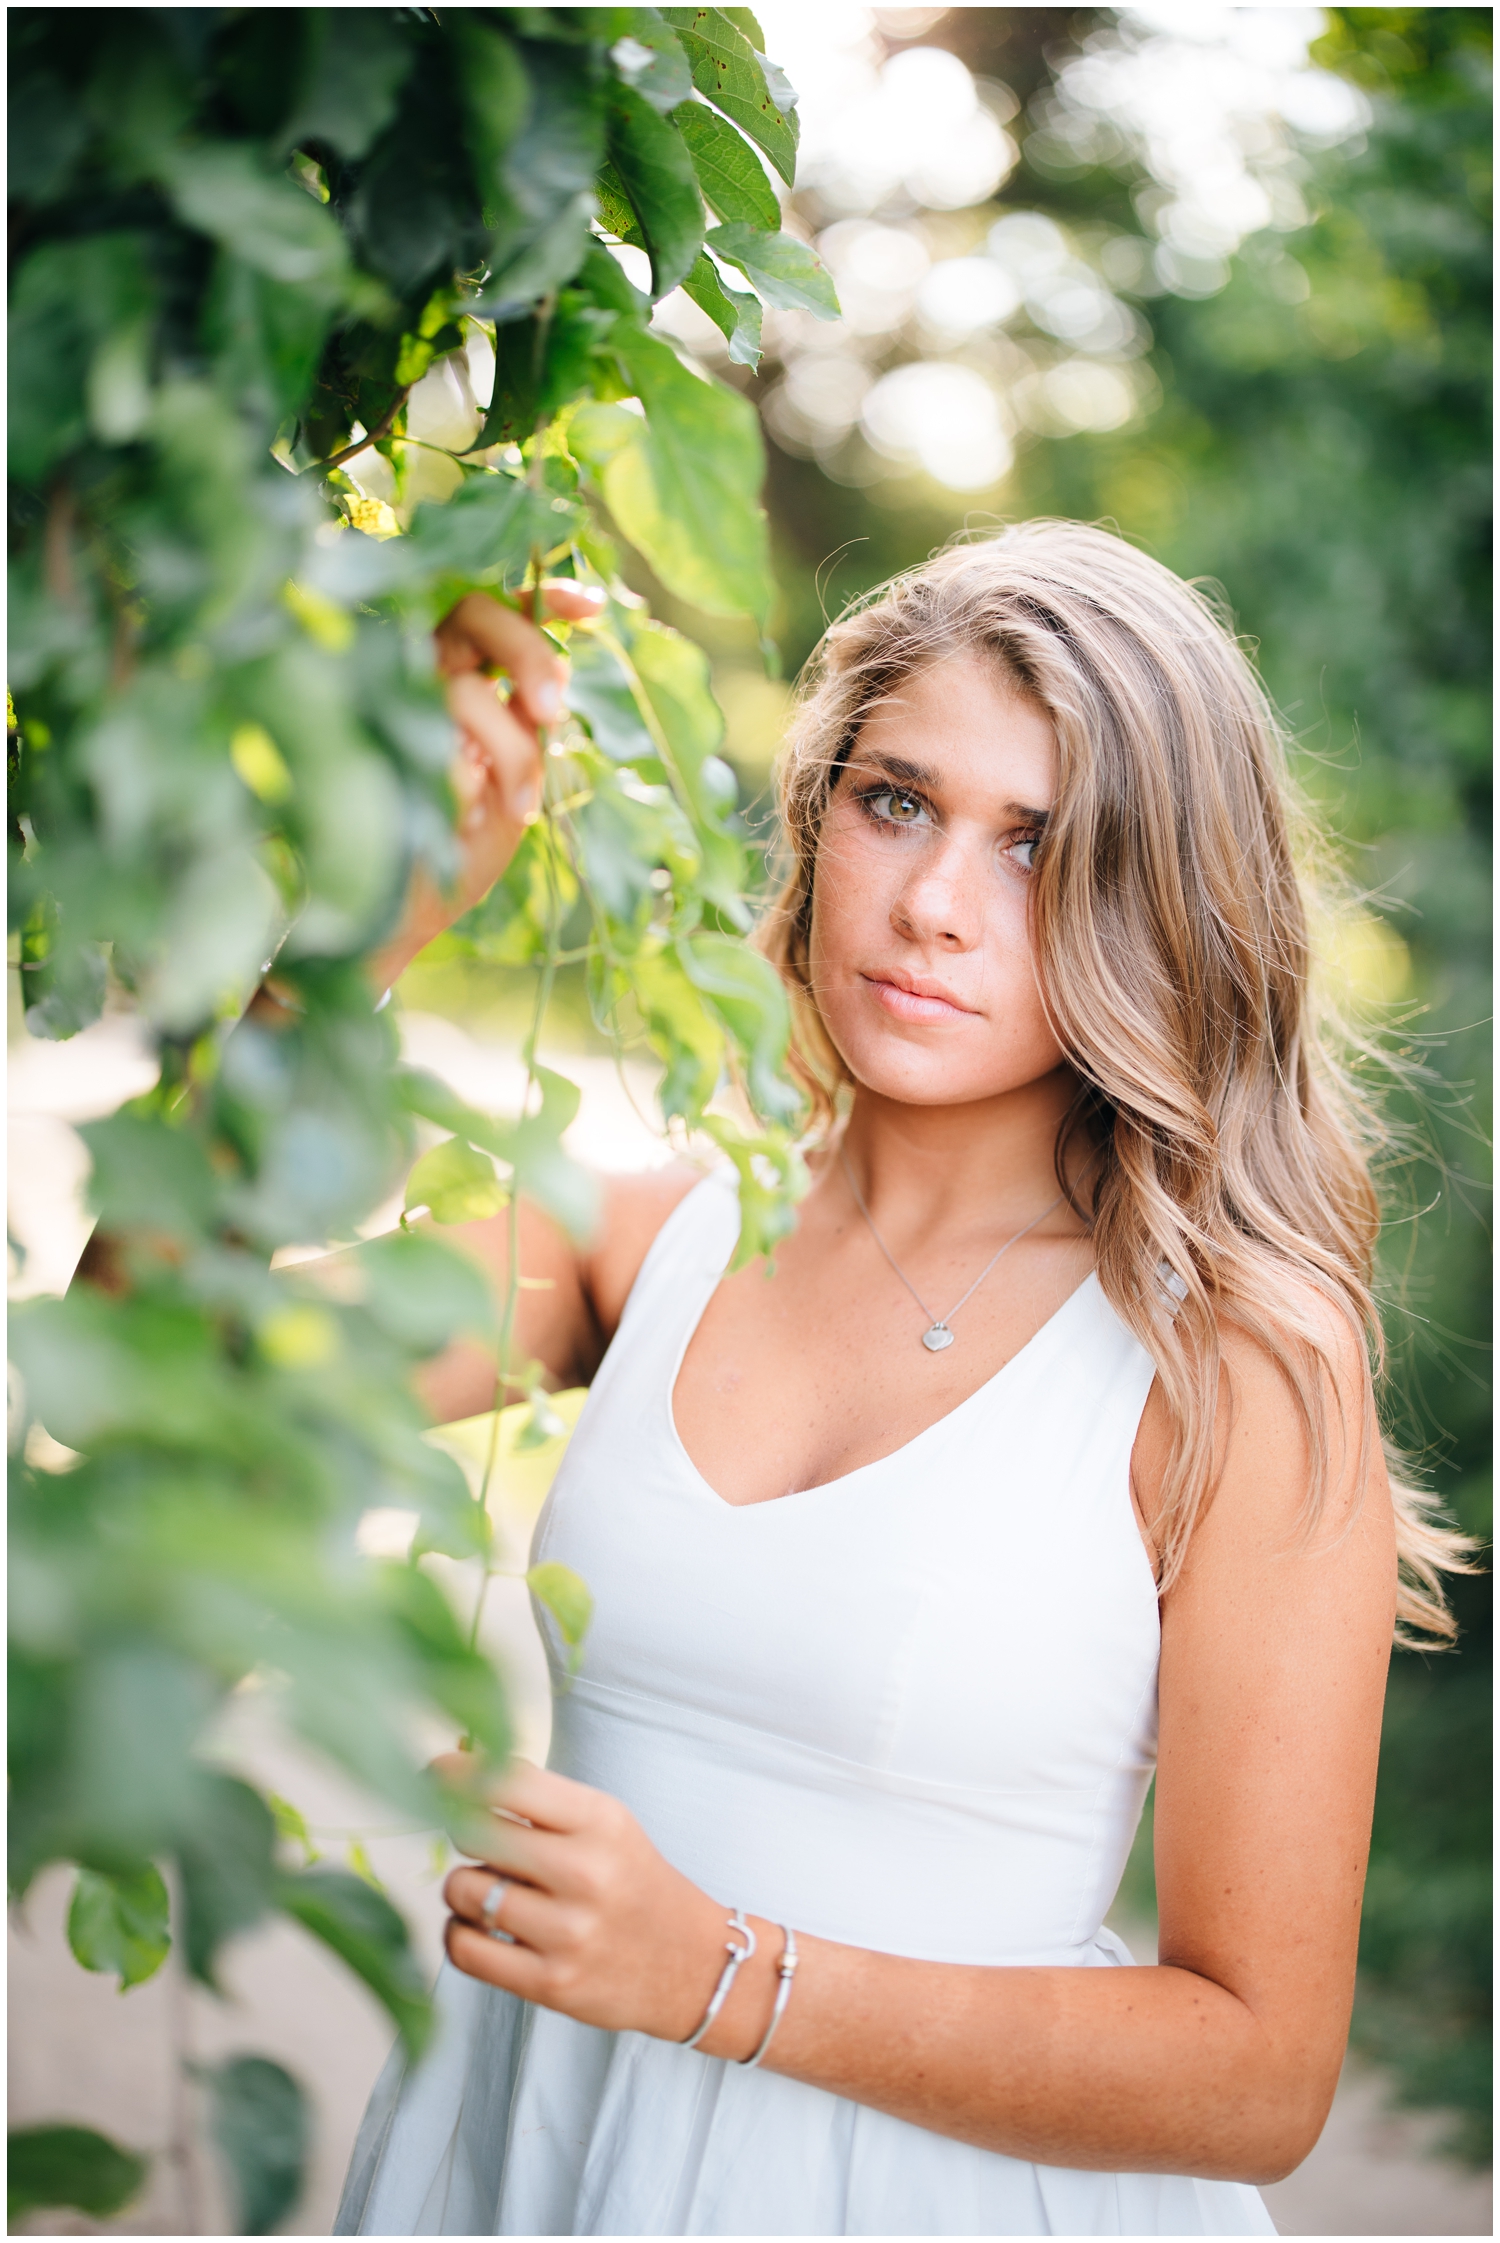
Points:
[(849, 897)]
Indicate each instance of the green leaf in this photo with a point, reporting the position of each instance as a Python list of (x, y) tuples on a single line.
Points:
[(649, 57), (541, 237), (730, 174), (365, 1931), (291, 1824), (778, 85), (625, 831), (139, 1707), (685, 489), (423, 1292), (607, 284), (455, 1184), (772, 1179), (566, 1597), (356, 62), (148, 1176), (50, 2166), (599, 688), (120, 1923), (485, 534), (532, 1145), (749, 996), (69, 303), (225, 1862), (357, 1854), (729, 73), (540, 1426), (265, 337), (543, 1171), (455, 1677), (737, 316), (224, 190), (47, 133), (744, 20), (259, 2119), (496, 94), (510, 926), (784, 270), (684, 1034), (657, 174)]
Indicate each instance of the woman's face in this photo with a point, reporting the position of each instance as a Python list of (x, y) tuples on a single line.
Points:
[(921, 950)]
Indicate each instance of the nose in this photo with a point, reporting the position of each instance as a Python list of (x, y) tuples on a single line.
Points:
[(941, 899)]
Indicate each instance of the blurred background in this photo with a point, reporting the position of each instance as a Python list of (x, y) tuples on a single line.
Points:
[(1219, 277)]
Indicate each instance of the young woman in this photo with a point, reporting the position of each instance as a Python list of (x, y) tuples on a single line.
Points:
[(1046, 1456)]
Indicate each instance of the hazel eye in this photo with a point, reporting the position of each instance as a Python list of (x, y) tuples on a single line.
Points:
[(1025, 851), (897, 808)]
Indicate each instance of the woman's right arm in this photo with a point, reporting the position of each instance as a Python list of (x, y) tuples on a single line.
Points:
[(571, 1298)]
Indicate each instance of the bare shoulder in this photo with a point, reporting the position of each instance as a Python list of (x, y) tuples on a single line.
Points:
[(635, 1207), (1266, 1449), (1266, 1440)]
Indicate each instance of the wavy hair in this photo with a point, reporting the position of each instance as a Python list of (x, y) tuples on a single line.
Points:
[(1226, 1140)]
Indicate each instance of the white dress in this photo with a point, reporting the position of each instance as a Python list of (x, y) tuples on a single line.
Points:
[(913, 1710)]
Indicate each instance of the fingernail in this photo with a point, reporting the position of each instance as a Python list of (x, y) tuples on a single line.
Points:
[(546, 700), (525, 799)]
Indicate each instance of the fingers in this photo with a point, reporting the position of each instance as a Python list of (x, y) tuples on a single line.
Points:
[(517, 1969), (482, 634), (551, 1801), (546, 1858), (527, 1914), (495, 750), (538, 1795), (572, 602)]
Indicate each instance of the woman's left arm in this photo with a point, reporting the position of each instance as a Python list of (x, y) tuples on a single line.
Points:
[(1219, 2061)]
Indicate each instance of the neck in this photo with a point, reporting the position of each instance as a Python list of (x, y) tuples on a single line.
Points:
[(922, 1166)]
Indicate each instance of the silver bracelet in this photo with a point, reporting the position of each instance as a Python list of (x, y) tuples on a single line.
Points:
[(786, 1972), (737, 1955)]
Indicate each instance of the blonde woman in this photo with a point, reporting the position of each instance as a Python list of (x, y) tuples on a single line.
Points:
[(1046, 1457)]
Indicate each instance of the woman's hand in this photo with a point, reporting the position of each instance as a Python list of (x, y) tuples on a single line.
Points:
[(602, 1927), (497, 771)]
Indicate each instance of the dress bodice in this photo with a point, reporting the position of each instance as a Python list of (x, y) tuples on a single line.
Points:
[(943, 1662)]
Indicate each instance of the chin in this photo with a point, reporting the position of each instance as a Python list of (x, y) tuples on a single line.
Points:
[(935, 1069), (918, 1075)]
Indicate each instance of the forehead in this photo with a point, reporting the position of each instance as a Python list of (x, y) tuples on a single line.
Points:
[(970, 729)]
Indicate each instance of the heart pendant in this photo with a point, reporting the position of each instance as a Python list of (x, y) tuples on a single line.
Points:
[(937, 1337)]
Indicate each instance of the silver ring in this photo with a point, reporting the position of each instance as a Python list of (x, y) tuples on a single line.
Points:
[(490, 1907)]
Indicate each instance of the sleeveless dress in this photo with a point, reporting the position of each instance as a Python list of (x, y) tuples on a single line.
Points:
[(912, 1710)]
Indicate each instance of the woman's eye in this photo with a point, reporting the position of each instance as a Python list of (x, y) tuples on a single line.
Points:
[(897, 809), (1024, 851)]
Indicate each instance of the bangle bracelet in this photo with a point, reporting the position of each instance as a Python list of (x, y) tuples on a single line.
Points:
[(786, 1972), (737, 1955)]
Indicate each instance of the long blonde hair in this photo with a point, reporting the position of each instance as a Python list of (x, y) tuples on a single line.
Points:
[(1171, 932)]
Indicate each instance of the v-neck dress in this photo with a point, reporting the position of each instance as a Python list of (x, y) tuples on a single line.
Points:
[(912, 1710)]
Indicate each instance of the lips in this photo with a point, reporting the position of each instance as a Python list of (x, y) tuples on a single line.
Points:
[(906, 998)]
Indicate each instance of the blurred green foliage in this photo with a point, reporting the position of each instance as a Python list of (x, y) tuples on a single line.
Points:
[(260, 259), (1321, 448)]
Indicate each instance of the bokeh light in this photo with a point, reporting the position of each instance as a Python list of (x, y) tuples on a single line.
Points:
[(973, 325)]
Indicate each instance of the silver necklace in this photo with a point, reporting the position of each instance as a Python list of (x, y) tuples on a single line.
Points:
[(938, 1335)]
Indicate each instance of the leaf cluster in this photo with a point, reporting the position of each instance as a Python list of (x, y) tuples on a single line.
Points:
[(247, 245)]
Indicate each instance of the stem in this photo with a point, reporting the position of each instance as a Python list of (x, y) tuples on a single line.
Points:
[(382, 428), (513, 1243)]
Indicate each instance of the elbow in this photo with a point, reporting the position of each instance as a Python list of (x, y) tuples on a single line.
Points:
[(1289, 2130)]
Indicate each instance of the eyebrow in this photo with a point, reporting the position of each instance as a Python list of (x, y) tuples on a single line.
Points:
[(910, 774)]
